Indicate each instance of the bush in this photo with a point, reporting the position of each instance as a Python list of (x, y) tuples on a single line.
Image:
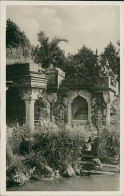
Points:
[(50, 146), (109, 142), (53, 147), (17, 138), (63, 145)]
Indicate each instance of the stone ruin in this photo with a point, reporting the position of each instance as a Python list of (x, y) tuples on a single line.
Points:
[(34, 94)]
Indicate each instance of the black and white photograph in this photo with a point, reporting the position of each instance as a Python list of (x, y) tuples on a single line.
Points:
[(62, 98)]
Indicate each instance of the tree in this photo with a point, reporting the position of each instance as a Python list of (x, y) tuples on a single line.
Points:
[(14, 36), (48, 52), (16, 41), (112, 56), (82, 62)]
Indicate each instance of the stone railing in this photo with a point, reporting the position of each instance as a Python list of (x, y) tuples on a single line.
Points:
[(105, 83)]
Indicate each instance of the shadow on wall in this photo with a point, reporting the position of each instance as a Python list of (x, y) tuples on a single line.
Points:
[(15, 107)]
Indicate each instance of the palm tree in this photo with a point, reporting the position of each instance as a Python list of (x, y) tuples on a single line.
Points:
[(47, 52)]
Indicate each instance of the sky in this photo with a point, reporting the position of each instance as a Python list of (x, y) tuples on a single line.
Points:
[(93, 26)]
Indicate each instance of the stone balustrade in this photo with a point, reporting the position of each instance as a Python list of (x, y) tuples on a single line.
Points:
[(104, 83)]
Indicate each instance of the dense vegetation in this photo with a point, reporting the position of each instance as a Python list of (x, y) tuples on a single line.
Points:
[(53, 148), (18, 45), (50, 148), (48, 52)]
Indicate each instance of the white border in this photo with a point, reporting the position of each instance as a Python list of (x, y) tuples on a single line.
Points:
[(3, 98)]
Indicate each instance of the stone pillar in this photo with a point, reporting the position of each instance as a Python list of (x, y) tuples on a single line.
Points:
[(108, 113), (30, 95), (89, 111), (106, 96), (69, 115), (30, 114)]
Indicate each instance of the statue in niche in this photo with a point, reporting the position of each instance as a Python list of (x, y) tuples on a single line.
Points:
[(42, 107), (104, 70), (59, 113), (98, 105)]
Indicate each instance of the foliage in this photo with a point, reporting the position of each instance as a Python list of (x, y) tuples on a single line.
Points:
[(109, 137), (115, 114), (112, 55), (17, 172), (17, 139), (48, 52), (17, 43), (60, 145), (109, 142), (82, 62), (50, 148)]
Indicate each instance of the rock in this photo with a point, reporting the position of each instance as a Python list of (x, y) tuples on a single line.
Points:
[(88, 147), (97, 162), (56, 174), (70, 171), (77, 168)]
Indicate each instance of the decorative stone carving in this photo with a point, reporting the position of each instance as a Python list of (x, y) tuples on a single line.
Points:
[(75, 81), (97, 112), (60, 112), (52, 97), (42, 107), (106, 96), (83, 93), (30, 93), (71, 95)]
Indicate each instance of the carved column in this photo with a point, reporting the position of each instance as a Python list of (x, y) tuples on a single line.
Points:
[(108, 113), (30, 113), (89, 111), (52, 97), (106, 96), (30, 95), (69, 114)]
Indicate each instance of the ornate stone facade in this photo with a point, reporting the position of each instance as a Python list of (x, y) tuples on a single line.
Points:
[(75, 99)]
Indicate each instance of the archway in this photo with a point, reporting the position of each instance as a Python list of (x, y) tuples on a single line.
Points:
[(79, 108)]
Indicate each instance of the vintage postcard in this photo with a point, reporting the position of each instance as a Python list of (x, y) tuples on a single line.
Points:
[(62, 94)]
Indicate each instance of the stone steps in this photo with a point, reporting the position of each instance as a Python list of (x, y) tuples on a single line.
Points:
[(106, 167), (97, 172), (111, 168)]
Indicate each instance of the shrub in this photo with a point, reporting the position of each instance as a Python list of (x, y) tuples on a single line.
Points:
[(61, 146), (109, 142), (16, 171), (49, 148), (17, 139)]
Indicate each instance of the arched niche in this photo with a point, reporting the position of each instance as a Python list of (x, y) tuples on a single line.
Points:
[(79, 109), (85, 98)]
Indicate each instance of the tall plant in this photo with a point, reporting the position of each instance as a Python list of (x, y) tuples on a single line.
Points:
[(48, 51)]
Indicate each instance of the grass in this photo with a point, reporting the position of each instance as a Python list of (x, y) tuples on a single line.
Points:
[(52, 148)]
